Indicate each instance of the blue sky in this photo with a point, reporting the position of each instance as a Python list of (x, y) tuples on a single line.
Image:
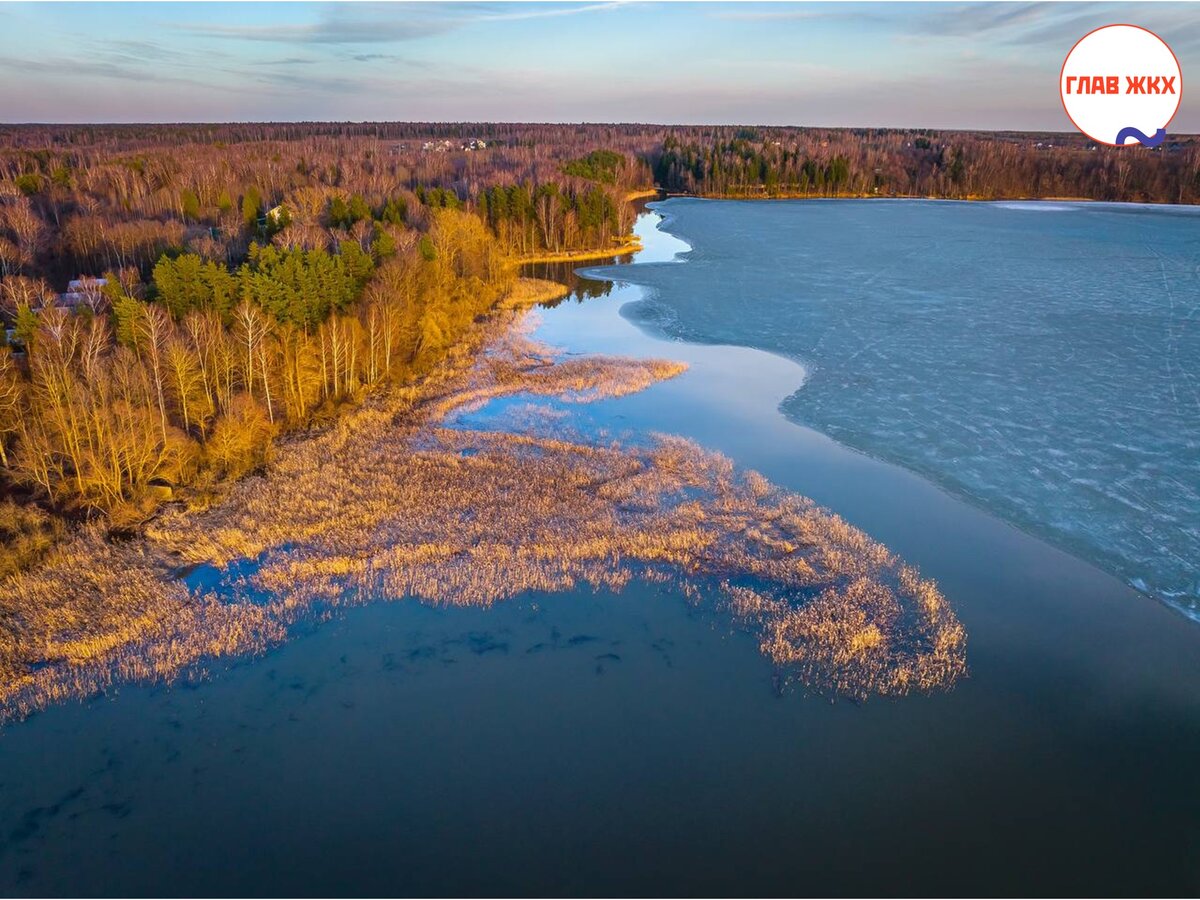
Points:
[(943, 65)]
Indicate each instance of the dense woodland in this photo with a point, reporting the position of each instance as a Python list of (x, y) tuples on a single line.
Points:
[(767, 162), (239, 281)]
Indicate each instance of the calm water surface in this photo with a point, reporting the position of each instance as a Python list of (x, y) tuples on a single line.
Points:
[(598, 743)]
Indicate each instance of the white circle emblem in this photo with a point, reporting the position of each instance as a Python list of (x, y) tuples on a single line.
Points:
[(1121, 84)]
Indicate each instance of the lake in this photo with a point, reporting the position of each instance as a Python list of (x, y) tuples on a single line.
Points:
[(633, 743), (1041, 359)]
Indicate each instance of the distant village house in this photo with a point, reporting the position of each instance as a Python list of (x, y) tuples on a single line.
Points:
[(81, 292)]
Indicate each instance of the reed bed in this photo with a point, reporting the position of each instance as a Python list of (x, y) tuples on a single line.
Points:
[(393, 502), (527, 292)]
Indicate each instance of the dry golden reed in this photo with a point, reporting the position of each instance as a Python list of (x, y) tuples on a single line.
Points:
[(394, 502), (527, 292)]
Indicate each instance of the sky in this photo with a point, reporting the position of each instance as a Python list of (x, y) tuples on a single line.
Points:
[(936, 65)]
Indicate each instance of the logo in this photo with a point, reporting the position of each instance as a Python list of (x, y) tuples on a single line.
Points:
[(1121, 84)]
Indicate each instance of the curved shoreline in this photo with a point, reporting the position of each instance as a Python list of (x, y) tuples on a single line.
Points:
[(749, 378), (665, 225), (569, 256), (395, 504)]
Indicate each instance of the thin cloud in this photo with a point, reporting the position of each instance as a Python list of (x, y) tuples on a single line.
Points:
[(381, 57), (139, 49), (553, 13), (383, 23), (799, 15), (98, 69), (286, 61), (988, 18), (949, 19), (1178, 24), (343, 24)]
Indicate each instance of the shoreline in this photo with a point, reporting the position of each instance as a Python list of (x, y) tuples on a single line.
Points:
[(128, 591), (535, 291), (668, 220), (672, 195), (342, 519), (568, 256), (659, 343)]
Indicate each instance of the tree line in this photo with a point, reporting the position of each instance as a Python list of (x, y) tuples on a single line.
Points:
[(751, 162), (183, 383), (97, 198)]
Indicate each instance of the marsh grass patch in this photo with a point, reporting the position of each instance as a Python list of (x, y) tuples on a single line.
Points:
[(391, 502)]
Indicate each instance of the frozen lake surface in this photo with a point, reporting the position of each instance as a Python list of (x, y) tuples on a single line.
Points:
[(587, 743), (1039, 359)]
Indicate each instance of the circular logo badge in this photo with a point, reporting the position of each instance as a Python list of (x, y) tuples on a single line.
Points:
[(1121, 84)]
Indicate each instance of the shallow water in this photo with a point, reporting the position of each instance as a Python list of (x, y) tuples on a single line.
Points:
[(599, 743), (1041, 359)]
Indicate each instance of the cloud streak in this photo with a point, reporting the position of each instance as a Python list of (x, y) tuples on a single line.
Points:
[(341, 24), (385, 23)]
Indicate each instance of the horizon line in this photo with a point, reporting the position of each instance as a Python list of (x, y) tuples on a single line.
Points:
[(531, 122)]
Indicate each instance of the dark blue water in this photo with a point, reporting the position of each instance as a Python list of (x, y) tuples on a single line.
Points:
[(632, 743), (1041, 359)]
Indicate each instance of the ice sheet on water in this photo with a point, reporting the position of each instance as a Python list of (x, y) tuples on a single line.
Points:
[(1036, 206), (1048, 367)]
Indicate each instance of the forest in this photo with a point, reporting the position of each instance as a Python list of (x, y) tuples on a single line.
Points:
[(184, 382), (750, 162), (177, 297)]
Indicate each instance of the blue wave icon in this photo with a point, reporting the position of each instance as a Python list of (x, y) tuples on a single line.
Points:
[(1146, 141)]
